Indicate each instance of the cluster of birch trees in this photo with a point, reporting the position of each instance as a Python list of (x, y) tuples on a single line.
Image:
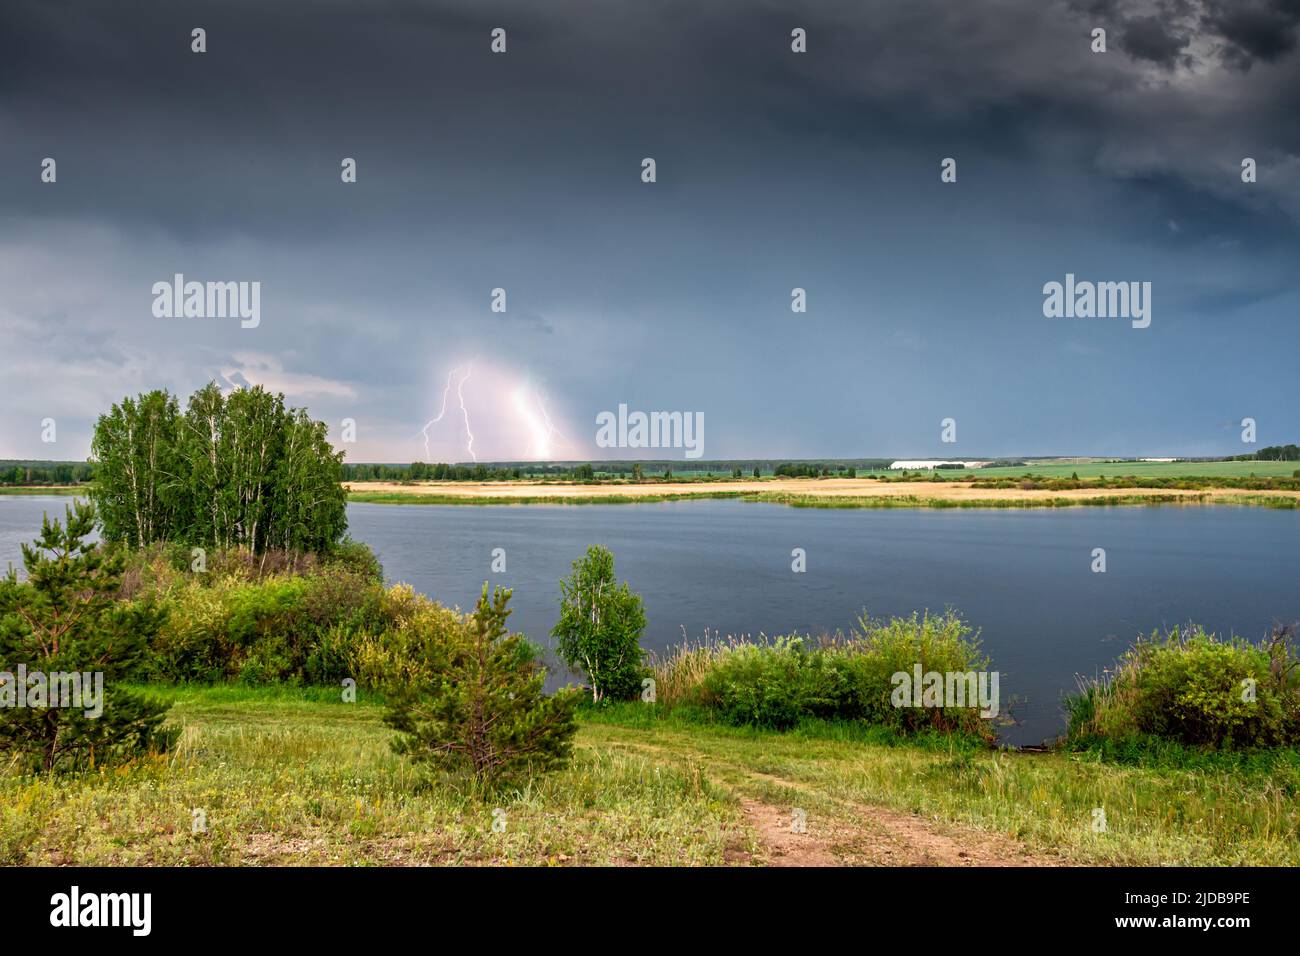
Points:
[(237, 470)]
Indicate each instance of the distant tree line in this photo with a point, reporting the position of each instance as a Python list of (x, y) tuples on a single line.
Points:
[(588, 471), (1272, 453), (228, 471), (813, 469), (45, 472), (423, 471)]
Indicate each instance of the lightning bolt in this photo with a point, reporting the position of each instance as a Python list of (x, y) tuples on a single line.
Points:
[(469, 445), (551, 430), (443, 411), (433, 421), (528, 402)]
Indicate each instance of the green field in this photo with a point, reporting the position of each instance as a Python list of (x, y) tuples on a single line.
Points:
[(1138, 469), (294, 776)]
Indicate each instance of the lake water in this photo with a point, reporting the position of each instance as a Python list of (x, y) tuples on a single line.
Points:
[(1022, 577)]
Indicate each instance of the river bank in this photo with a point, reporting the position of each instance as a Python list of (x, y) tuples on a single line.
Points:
[(797, 492)]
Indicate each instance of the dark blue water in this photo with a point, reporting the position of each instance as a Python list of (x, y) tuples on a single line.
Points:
[(1022, 577)]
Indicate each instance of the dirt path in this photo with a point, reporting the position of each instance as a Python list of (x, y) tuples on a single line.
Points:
[(852, 834), (785, 837), (866, 835)]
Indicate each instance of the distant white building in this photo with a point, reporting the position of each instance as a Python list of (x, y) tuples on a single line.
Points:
[(915, 465)]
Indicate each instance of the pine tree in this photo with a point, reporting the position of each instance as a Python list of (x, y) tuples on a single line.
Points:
[(479, 706), (65, 619)]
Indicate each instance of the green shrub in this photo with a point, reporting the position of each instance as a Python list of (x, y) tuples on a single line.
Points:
[(779, 683), (192, 644), (759, 684), (356, 557), (393, 660), (1191, 688), (333, 655), (285, 626), (265, 663)]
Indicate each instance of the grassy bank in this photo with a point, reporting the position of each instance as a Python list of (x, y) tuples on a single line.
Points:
[(295, 776)]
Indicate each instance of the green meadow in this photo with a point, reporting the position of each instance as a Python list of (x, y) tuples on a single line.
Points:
[(1141, 469), (291, 775)]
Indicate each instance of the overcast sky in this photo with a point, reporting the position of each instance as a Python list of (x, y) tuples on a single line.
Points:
[(775, 170)]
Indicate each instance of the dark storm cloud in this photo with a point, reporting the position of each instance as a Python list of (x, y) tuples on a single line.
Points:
[(1150, 38), (1255, 29), (478, 171), (249, 135), (1237, 32)]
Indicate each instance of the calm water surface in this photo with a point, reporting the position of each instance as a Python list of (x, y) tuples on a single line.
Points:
[(1022, 577)]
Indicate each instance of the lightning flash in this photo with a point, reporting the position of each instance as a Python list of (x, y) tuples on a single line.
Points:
[(443, 411), (531, 416)]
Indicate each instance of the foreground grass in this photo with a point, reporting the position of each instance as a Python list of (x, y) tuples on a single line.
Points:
[(297, 777), (1247, 814), (294, 776)]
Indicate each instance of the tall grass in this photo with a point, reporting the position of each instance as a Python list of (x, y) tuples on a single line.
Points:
[(781, 681), (1193, 689)]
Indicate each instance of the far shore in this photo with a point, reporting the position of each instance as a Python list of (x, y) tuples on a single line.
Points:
[(794, 492), (823, 492)]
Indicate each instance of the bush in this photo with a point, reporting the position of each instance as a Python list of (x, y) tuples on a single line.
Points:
[(1191, 688), (394, 660), (778, 683), (277, 627), (760, 685), (356, 557)]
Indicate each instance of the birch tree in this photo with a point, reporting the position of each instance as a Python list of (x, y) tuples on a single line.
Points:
[(600, 625)]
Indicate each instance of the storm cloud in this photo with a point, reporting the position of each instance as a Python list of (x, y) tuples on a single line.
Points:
[(521, 171)]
